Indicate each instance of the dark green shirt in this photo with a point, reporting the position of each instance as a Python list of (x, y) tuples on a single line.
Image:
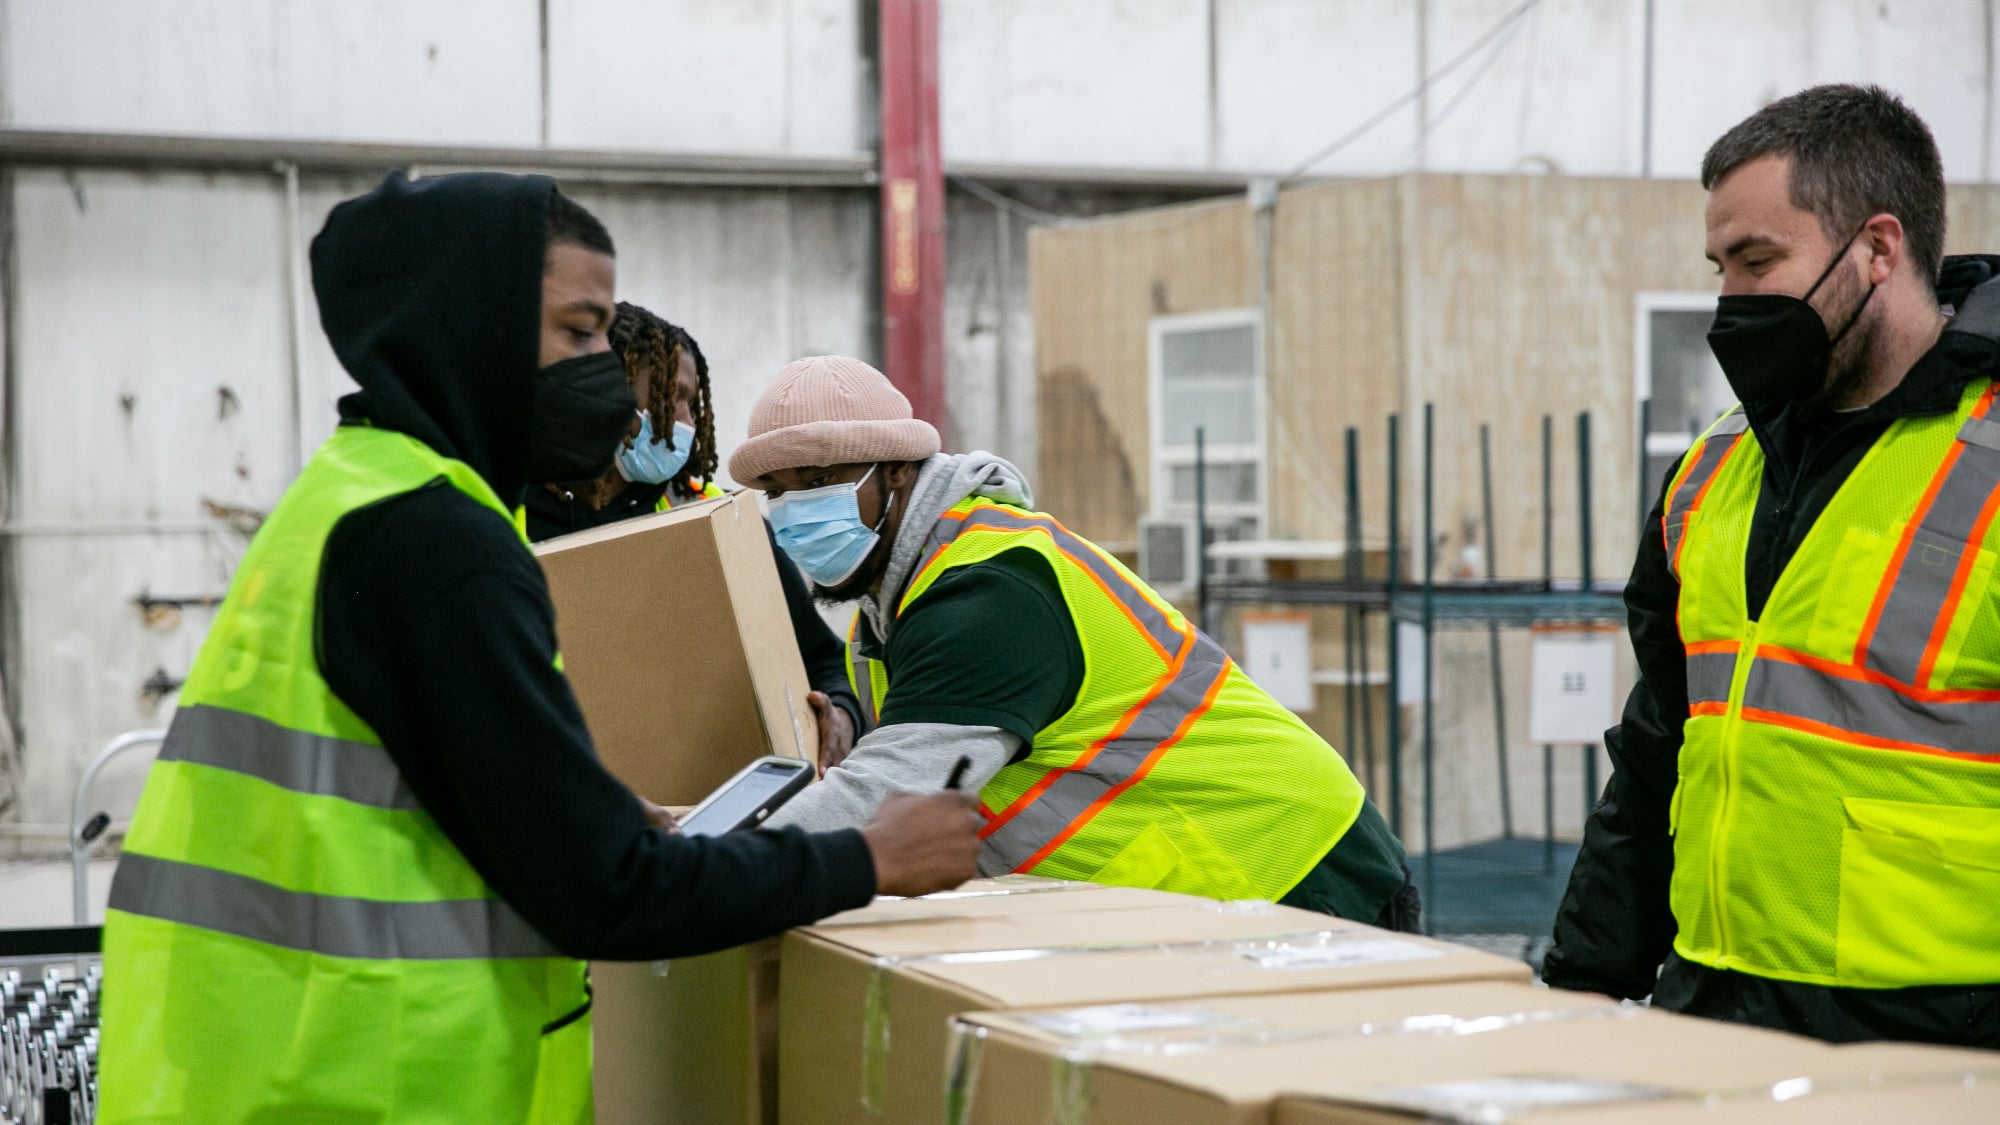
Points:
[(993, 644)]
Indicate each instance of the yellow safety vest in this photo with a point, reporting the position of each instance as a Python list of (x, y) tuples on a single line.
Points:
[(1171, 770), (291, 936), (1837, 820)]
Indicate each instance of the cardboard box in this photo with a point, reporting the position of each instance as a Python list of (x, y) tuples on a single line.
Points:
[(675, 635), (1940, 1090), (1380, 1055), (694, 1041), (866, 1014)]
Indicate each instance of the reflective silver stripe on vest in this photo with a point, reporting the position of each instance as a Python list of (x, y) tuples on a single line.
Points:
[(860, 669), (1708, 676), (1922, 584), (360, 928), (1150, 618), (1117, 763), (1714, 451), (312, 764), (1872, 710)]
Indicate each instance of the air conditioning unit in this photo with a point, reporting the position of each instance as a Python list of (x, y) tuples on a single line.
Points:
[(1168, 551)]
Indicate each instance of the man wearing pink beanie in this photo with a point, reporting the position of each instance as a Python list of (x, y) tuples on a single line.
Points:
[(1108, 739)]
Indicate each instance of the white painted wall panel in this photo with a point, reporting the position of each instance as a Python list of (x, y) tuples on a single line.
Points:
[(1075, 82), (1932, 52), (402, 70), (1293, 76), (706, 75), (87, 650), (1558, 88), (152, 345), (1717, 62)]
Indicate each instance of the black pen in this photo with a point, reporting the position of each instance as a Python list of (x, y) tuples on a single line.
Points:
[(958, 772)]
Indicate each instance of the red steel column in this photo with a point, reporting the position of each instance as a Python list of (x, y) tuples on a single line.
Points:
[(912, 207)]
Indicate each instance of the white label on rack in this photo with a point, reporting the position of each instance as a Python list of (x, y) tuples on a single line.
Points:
[(1343, 955), (1484, 1096), (1120, 1019)]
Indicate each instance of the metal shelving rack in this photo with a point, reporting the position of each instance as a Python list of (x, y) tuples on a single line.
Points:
[(1430, 605)]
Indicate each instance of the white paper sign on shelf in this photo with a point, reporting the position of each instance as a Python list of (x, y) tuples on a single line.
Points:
[(1410, 665), (1571, 697), (1277, 653)]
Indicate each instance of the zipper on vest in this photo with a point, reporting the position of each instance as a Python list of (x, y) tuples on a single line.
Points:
[(1725, 764)]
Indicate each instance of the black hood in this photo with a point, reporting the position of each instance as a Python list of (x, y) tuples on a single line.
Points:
[(431, 294)]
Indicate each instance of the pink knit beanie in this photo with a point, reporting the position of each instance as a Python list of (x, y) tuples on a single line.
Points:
[(829, 410)]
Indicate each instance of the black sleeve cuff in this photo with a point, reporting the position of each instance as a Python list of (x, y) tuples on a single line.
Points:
[(849, 868)]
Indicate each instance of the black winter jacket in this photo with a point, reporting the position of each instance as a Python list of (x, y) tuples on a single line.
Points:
[(1615, 929)]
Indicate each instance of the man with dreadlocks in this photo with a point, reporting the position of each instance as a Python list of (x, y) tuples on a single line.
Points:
[(668, 457)]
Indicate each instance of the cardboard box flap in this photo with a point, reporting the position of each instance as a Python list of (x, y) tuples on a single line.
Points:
[(1007, 895), (1963, 1100), (1164, 1039), (1482, 1052), (1323, 954)]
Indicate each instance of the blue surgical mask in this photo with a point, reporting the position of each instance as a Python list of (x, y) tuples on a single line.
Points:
[(821, 530), (648, 460)]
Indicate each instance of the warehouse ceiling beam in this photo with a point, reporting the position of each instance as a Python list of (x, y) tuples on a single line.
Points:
[(264, 154)]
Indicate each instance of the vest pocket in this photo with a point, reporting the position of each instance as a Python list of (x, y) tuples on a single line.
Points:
[(1194, 865), (1147, 861), (1858, 566), (1916, 885), (562, 1077)]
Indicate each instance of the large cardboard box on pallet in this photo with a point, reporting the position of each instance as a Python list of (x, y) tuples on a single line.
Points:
[(1387, 1056), (867, 1011), (695, 1041), (675, 635), (1868, 1084), (677, 640)]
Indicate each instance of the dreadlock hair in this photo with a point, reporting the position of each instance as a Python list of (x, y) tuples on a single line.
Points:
[(702, 462), (652, 349)]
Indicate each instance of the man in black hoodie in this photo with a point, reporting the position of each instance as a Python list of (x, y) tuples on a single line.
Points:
[(378, 843), (1803, 823)]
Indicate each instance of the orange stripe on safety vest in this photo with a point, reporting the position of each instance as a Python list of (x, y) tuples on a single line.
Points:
[(1152, 759), (1874, 618), (1854, 738), (1124, 724), (1869, 675)]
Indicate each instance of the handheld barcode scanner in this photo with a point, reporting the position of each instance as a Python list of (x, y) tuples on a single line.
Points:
[(744, 801)]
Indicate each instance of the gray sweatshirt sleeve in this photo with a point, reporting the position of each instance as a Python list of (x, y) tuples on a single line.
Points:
[(913, 757)]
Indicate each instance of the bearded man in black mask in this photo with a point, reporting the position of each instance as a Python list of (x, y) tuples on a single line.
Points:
[(377, 845), (1803, 824)]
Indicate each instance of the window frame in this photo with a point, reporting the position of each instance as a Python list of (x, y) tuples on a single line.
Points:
[(1646, 304), (1163, 458)]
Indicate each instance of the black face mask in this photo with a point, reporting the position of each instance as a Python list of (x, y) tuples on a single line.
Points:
[(582, 408), (1774, 347)]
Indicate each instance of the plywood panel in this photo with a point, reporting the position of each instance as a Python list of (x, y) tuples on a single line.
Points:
[(1095, 288), (1335, 354), (1530, 286)]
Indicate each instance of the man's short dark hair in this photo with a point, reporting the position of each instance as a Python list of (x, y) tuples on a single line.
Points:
[(571, 225), (1857, 151)]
